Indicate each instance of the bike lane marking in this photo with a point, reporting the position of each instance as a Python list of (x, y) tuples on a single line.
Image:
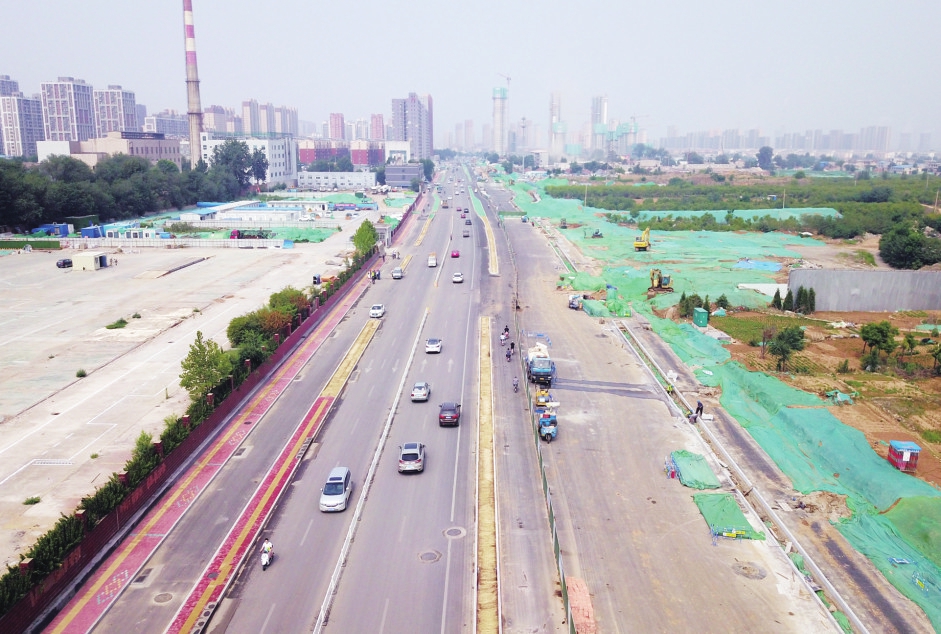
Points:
[(96, 596), (227, 560)]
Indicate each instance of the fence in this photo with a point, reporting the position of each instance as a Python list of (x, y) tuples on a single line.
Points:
[(98, 542), (169, 243)]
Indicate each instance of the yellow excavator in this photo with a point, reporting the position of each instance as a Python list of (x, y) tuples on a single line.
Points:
[(642, 242), (660, 283)]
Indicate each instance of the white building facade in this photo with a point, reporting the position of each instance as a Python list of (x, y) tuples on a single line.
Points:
[(281, 154)]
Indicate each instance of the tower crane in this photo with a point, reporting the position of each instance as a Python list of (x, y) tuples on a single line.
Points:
[(507, 78)]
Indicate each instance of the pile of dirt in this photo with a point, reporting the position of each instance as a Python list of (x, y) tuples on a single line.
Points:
[(825, 504)]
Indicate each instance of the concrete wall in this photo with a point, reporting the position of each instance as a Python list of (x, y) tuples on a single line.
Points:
[(870, 291)]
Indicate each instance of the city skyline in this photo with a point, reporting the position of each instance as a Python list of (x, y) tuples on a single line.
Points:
[(705, 67)]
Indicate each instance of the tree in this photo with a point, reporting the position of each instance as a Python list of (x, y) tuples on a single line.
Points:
[(380, 175), (776, 300), (811, 301), (767, 334), (764, 157), (415, 184), (428, 167), (800, 305), (204, 367), (233, 158), (788, 303), (904, 248), (695, 158), (910, 343), (575, 168), (723, 301), (785, 343), (365, 238), (259, 165), (879, 336)]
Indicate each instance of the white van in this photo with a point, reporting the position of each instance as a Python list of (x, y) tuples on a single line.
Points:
[(335, 494)]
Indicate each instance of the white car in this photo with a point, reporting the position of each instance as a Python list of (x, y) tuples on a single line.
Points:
[(421, 391), (377, 310), (457, 278), (433, 346)]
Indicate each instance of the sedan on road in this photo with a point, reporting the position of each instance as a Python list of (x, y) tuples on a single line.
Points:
[(457, 278), (412, 457), (449, 414), (455, 253), (467, 222), (433, 346), (421, 391), (65, 263), (377, 310)]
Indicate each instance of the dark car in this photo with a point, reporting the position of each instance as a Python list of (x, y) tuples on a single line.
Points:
[(449, 414), (64, 263), (467, 222)]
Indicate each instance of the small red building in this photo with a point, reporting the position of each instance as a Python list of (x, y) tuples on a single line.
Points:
[(904, 455)]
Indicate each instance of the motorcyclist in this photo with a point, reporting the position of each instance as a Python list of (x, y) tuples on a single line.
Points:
[(266, 549), (508, 354), (512, 346), (516, 384)]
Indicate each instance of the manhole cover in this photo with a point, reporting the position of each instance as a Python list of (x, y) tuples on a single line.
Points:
[(455, 532), (750, 570), (430, 556), (163, 597), (213, 575)]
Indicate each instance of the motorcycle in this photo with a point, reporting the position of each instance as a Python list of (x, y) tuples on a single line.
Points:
[(503, 339), (516, 385)]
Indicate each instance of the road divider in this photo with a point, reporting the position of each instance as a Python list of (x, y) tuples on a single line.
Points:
[(493, 265), (205, 595), (424, 230), (488, 580)]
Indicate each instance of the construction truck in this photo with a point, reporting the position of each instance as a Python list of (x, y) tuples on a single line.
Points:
[(642, 242), (575, 302), (540, 369), (660, 283)]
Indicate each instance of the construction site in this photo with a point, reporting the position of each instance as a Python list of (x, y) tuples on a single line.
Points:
[(860, 445)]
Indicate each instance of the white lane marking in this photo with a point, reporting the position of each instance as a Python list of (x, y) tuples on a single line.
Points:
[(447, 579), (385, 612), (307, 532), (264, 625)]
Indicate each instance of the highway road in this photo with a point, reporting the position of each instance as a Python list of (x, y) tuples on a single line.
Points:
[(412, 560)]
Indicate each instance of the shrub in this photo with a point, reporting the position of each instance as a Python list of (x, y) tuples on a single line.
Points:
[(135, 316), (32, 500), (81, 374), (931, 435), (844, 367), (723, 301), (121, 323)]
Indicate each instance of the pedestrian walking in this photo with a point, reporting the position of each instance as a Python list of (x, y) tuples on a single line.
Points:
[(698, 408)]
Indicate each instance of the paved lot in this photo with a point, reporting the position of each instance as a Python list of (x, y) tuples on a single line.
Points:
[(51, 422)]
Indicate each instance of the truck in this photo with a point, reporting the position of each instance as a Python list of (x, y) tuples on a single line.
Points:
[(432, 259), (575, 302), (540, 369), (445, 204)]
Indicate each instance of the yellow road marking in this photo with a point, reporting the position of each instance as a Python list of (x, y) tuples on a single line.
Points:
[(424, 230), (488, 613), (408, 258)]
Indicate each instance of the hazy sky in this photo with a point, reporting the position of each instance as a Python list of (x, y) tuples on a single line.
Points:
[(697, 65)]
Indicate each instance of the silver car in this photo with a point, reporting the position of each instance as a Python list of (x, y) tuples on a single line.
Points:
[(335, 494), (412, 457), (433, 346), (421, 391)]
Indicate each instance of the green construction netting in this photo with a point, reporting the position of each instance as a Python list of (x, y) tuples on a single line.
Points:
[(700, 262), (720, 214), (390, 221), (693, 470), (838, 616), (891, 548), (399, 202), (298, 234), (724, 517)]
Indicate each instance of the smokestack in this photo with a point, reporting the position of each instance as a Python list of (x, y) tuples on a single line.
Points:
[(193, 108)]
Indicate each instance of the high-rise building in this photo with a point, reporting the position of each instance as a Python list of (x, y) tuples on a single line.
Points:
[(599, 122), (458, 137), (266, 120), (141, 115), (21, 125), (486, 137), (8, 86), (285, 121), (251, 117), (221, 121), (337, 126), (377, 128), (412, 122), (556, 127), (469, 141), (169, 123), (115, 111), (430, 123), (68, 111), (500, 96)]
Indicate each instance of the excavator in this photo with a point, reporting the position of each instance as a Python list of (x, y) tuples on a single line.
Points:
[(642, 242), (660, 283)]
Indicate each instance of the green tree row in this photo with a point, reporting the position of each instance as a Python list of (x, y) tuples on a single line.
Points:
[(121, 186)]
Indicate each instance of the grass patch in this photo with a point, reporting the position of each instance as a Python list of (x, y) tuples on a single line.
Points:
[(121, 323), (864, 257), (81, 374), (749, 328), (94, 456), (931, 435), (135, 316), (32, 500)]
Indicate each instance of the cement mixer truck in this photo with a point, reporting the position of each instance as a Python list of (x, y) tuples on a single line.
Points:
[(540, 369)]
